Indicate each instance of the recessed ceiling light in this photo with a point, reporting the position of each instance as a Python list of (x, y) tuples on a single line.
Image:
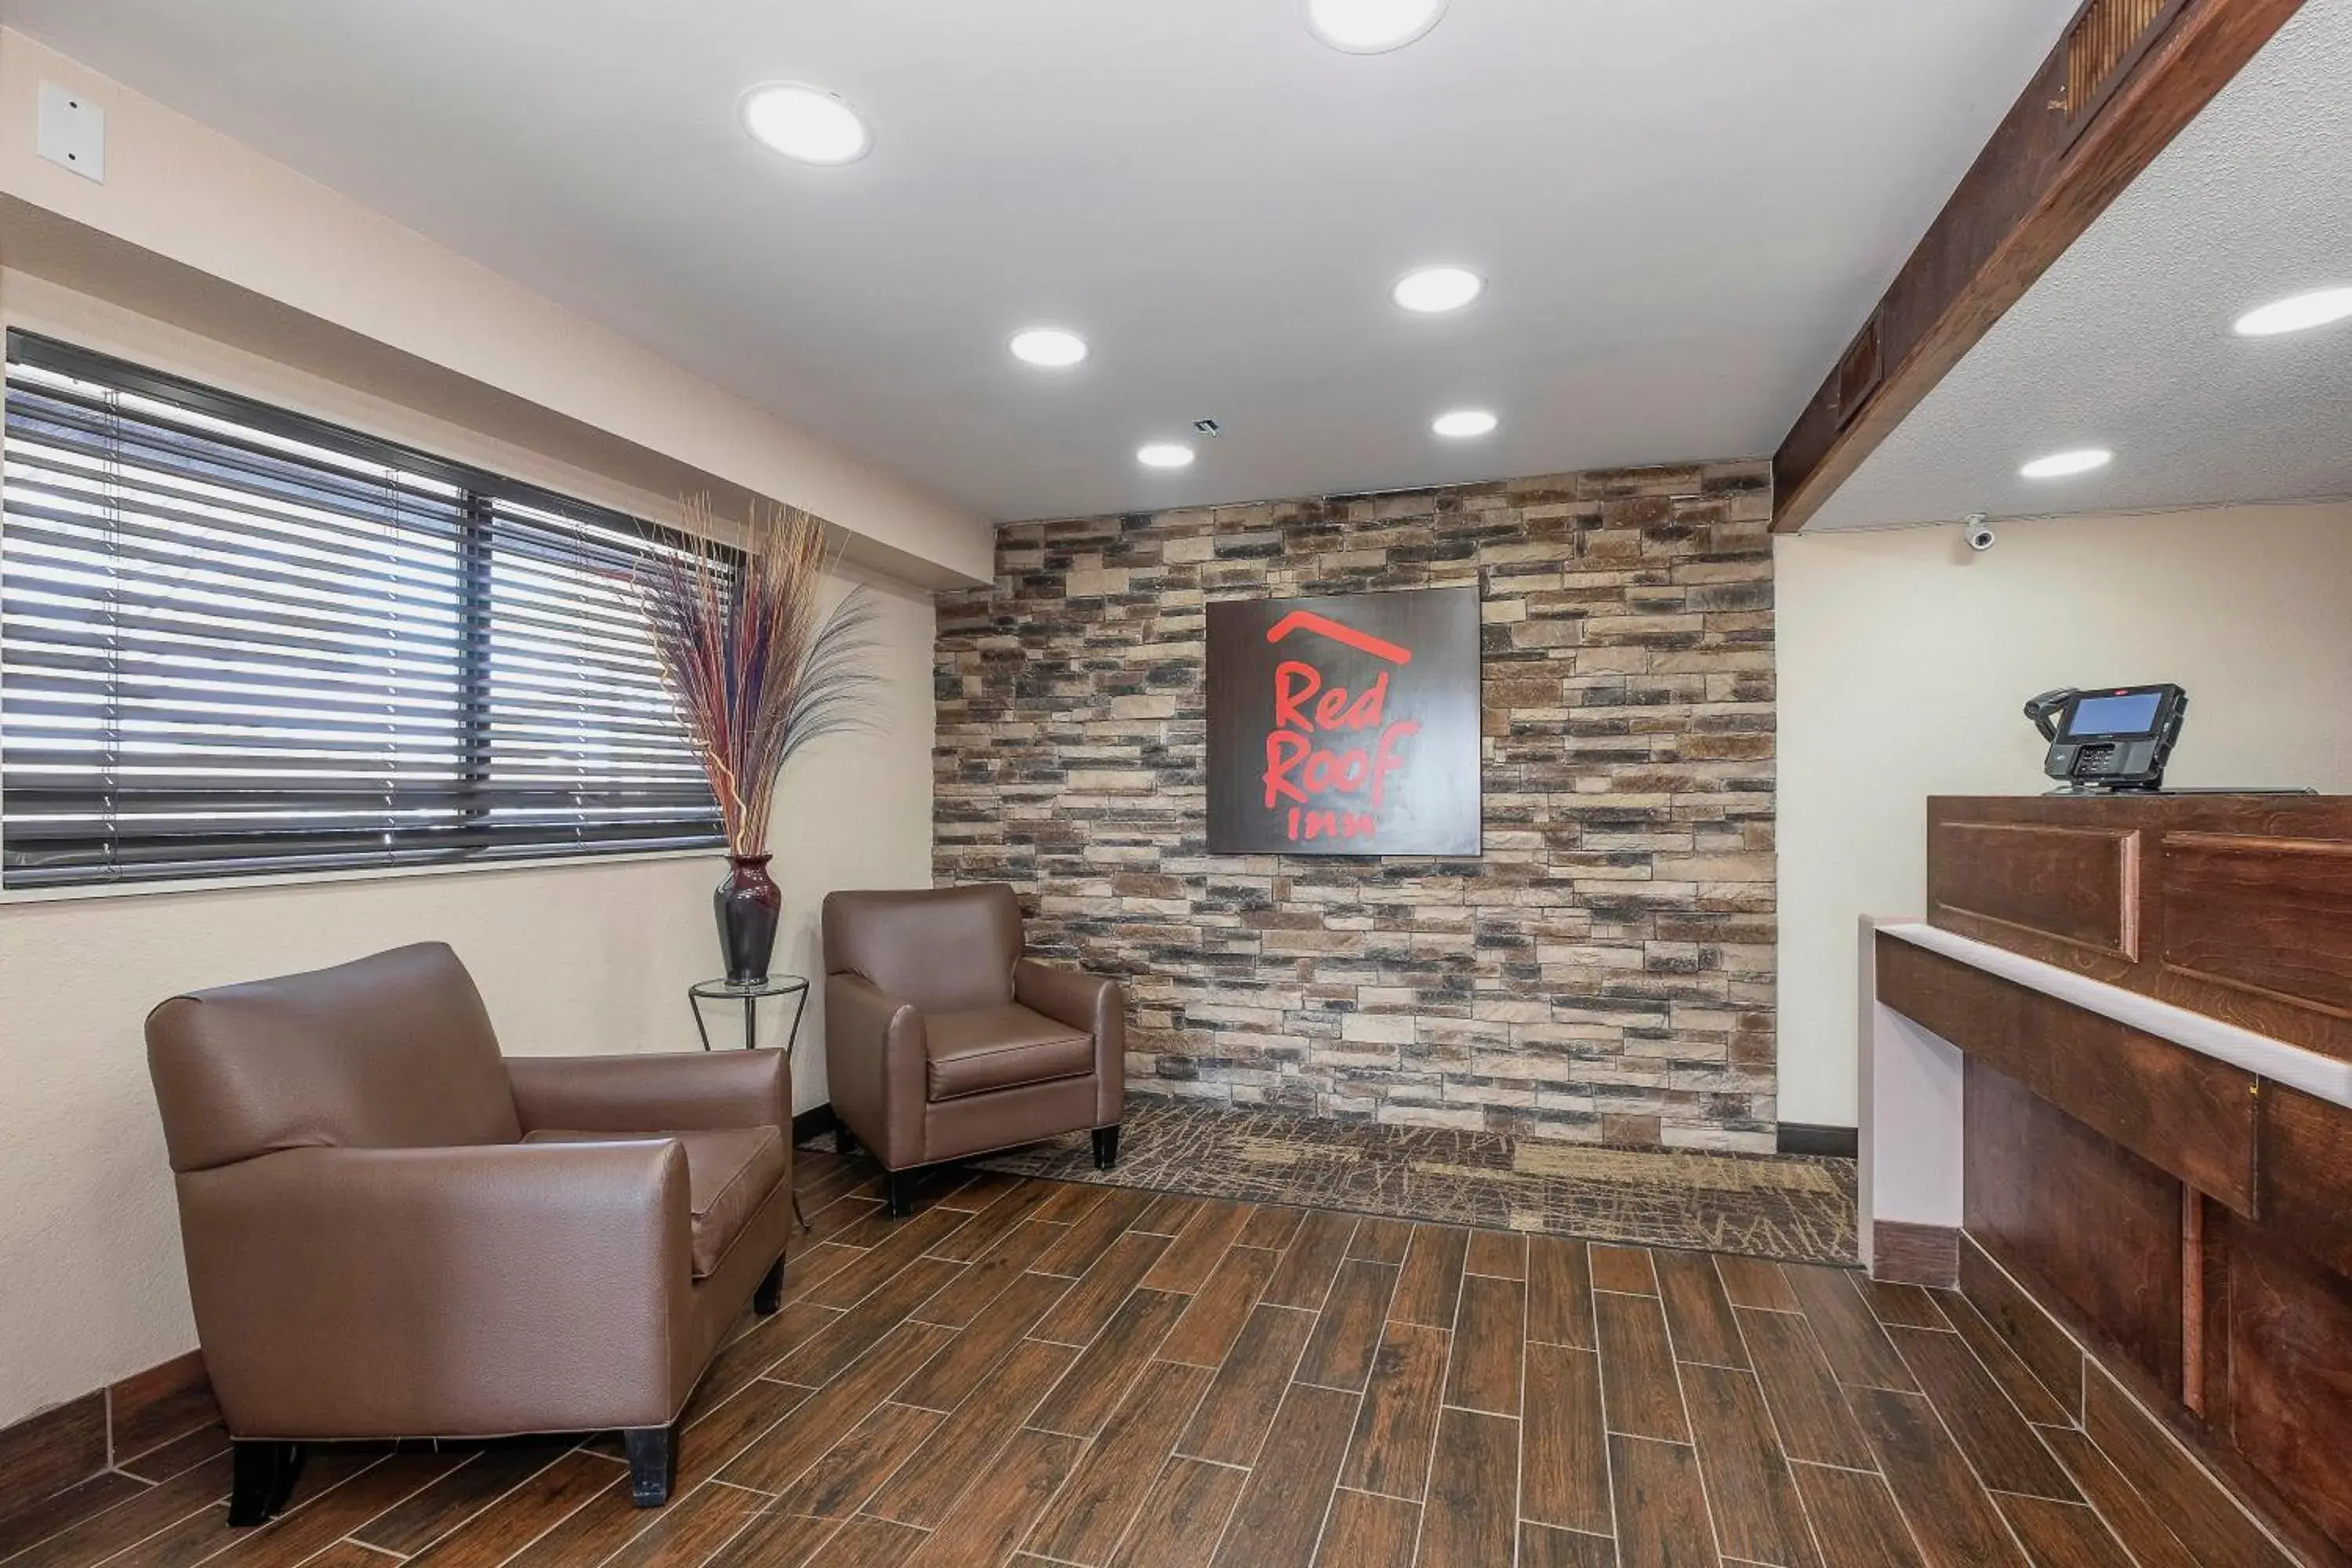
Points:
[(1430, 290), (1049, 346), (1164, 455), (2058, 465), (2296, 313), (806, 123), (1372, 26), (1462, 423)]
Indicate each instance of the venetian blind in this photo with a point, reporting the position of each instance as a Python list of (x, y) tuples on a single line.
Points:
[(234, 641)]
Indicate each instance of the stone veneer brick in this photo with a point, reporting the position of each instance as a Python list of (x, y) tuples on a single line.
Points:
[(1604, 973)]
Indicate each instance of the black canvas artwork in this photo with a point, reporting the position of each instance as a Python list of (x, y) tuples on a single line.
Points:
[(1345, 725)]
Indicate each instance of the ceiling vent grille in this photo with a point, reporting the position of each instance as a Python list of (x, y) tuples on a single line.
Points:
[(1859, 373), (2106, 40)]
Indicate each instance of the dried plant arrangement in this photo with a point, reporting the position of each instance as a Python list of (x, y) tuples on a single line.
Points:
[(759, 668)]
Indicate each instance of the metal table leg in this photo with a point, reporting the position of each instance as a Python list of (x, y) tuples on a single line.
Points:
[(800, 1005), (799, 991), (751, 1043)]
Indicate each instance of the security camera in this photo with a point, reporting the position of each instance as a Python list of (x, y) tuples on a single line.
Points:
[(1980, 534)]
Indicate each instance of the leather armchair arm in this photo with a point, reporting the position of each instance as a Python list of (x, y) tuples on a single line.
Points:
[(878, 1068), (674, 1092), (1083, 1002), (465, 1291)]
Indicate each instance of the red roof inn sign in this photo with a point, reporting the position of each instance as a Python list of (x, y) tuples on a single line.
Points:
[(1346, 725)]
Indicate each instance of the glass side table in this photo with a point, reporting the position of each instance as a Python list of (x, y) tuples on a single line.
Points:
[(792, 985)]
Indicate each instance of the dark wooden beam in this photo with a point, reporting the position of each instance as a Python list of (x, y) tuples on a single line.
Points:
[(2123, 80)]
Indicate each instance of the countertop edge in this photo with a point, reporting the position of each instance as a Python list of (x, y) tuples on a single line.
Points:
[(2294, 1065)]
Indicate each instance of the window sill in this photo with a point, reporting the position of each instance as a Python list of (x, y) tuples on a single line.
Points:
[(12, 897)]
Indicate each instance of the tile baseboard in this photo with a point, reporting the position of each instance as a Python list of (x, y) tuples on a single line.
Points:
[(1925, 1254), (52, 1449), (1806, 1138), (66, 1443)]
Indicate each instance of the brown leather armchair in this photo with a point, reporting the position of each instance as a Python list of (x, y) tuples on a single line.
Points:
[(942, 1041), (392, 1232)]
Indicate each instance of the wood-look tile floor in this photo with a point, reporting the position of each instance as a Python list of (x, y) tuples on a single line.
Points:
[(1038, 1373)]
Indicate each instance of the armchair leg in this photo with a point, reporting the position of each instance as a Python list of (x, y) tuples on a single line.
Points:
[(261, 1479), (769, 1296), (899, 1187), (1105, 1148), (653, 1463)]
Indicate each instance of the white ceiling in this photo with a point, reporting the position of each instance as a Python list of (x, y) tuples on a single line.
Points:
[(2126, 343), (1685, 207)]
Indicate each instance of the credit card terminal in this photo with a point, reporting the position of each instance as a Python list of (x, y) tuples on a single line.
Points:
[(2109, 738)]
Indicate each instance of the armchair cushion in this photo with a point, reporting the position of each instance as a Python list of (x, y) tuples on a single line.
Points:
[(730, 1172), (1006, 1046)]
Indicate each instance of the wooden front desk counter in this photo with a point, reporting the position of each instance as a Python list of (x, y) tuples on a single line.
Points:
[(2107, 1092)]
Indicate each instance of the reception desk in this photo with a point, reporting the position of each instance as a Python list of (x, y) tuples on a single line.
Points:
[(2107, 1092)]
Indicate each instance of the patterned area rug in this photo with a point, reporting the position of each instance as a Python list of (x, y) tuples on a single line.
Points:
[(1791, 1207)]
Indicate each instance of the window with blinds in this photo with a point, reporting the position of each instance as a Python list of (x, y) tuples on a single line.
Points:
[(236, 641)]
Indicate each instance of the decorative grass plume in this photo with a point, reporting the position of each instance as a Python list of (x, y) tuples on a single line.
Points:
[(757, 666)]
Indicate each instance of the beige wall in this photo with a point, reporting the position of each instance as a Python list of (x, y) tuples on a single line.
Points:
[(587, 957), (1905, 661), (181, 192)]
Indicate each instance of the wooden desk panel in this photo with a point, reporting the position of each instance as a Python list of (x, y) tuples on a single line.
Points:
[(2110, 1250), (2186, 1114), (2269, 917), (2278, 1369), (2033, 881), (2238, 907), (2307, 1176)]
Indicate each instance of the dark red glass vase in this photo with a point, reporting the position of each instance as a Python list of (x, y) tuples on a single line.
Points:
[(747, 904)]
